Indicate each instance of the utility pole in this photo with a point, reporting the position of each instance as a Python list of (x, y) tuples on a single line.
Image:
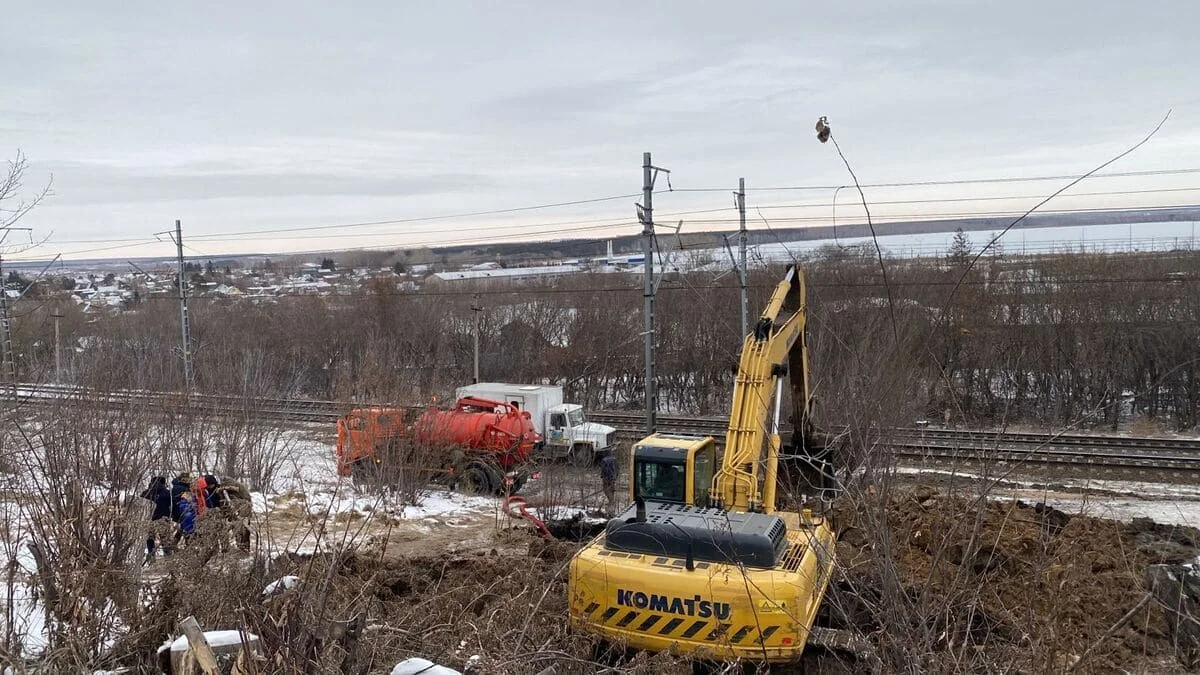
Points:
[(742, 271), (476, 309), (185, 332), (57, 314), (645, 212), (10, 363)]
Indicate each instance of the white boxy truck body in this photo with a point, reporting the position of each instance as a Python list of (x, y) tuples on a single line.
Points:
[(562, 426)]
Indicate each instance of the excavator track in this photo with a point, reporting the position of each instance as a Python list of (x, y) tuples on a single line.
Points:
[(843, 641)]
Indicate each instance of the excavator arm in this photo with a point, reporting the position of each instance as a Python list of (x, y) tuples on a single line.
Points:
[(774, 350)]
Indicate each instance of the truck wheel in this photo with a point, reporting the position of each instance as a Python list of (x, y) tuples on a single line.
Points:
[(476, 480), (581, 455)]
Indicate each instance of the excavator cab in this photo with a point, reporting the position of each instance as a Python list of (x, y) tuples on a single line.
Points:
[(673, 469)]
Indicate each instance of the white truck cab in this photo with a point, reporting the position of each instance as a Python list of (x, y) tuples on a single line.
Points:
[(562, 425)]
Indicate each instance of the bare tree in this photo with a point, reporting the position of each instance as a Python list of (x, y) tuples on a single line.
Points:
[(14, 206)]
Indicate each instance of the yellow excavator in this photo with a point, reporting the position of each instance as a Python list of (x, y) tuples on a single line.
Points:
[(702, 564)]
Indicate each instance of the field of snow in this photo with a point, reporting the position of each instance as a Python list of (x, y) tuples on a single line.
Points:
[(311, 483), (1167, 503)]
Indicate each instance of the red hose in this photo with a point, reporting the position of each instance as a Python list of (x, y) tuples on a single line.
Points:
[(520, 504)]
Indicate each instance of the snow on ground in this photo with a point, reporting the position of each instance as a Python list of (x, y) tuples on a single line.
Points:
[(281, 584), (1165, 512), (344, 499), (1134, 487), (322, 519), (415, 665), (1167, 503), (310, 462), (215, 638), (27, 615)]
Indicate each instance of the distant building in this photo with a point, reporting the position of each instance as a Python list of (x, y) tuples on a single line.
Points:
[(512, 273)]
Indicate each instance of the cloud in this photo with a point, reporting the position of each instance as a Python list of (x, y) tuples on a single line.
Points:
[(83, 184), (302, 113)]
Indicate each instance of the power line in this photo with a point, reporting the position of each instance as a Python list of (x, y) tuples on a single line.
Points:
[(519, 209), (893, 218), (964, 181), (556, 228), (519, 231), (448, 216), (1113, 193), (613, 221)]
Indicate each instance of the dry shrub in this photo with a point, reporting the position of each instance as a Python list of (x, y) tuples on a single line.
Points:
[(72, 518), (356, 612), (952, 584), (1146, 425)]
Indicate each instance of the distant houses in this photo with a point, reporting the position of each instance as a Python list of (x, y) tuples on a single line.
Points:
[(125, 292)]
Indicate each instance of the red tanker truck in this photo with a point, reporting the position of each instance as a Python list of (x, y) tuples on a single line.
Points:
[(480, 443)]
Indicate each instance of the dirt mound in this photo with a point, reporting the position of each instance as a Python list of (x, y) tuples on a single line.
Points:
[(485, 613), (951, 584), (937, 584)]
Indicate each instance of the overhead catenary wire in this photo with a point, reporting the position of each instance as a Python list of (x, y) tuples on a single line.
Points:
[(947, 200), (1054, 194), (621, 221), (961, 181), (1046, 246), (449, 216), (593, 200), (556, 234), (874, 236), (524, 231)]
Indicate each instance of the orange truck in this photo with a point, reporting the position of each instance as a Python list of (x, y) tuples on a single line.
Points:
[(481, 443)]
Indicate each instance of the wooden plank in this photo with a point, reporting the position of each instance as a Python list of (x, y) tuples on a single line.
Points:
[(199, 646)]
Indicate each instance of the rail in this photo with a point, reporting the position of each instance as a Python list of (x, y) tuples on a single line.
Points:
[(1144, 453)]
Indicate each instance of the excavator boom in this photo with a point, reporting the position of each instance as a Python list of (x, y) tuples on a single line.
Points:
[(769, 354)]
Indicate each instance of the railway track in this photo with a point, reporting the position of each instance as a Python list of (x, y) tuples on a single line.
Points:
[(925, 444), (999, 447)]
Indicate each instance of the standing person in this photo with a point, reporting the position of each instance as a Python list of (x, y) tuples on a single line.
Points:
[(179, 485), (200, 494), (161, 526), (608, 479), (187, 516)]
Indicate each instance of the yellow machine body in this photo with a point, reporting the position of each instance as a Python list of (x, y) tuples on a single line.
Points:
[(701, 563), (715, 611)]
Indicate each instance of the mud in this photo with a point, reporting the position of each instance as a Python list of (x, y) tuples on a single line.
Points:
[(936, 583)]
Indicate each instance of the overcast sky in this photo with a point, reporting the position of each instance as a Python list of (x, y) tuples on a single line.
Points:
[(237, 117)]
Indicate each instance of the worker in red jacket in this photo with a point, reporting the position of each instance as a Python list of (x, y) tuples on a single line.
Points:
[(200, 493)]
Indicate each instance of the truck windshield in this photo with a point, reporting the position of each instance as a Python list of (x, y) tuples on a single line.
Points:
[(575, 418)]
